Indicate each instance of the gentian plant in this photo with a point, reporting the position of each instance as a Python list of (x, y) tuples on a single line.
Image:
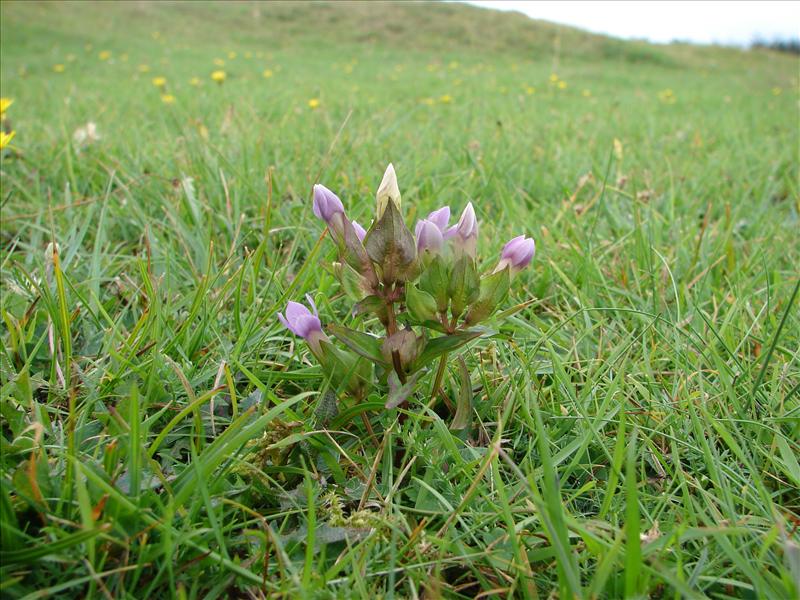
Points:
[(424, 289)]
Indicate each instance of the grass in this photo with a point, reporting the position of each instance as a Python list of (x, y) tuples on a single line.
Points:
[(635, 427)]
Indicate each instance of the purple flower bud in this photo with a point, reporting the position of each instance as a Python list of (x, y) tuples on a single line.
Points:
[(302, 322), (429, 237), (360, 231), (326, 203), (517, 254), (440, 218), (465, 232)]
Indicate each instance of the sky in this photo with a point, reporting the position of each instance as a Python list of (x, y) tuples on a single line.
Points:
[(702, 22)]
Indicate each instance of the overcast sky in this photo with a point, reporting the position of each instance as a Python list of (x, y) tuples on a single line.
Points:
[(659, 21)]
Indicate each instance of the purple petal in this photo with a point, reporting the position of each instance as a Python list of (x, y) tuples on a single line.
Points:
[(326, 203), (313, 306), (307, 324), (440, 217), (360, 231), (285, 323), (430, 237)]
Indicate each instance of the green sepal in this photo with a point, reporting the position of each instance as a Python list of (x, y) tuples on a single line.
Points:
[(435, 280), (390, 245), (494, 289), (421, 305), (464, 285)]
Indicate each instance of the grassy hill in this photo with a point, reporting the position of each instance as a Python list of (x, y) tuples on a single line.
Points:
[(645, 400)]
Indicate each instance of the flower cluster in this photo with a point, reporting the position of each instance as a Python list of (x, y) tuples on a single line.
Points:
[(424, 289)]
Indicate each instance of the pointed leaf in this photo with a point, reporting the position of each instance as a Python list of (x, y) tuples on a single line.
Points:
[(364, 344)]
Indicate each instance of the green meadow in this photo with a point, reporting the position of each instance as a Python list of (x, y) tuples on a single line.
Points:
[(635, 423)]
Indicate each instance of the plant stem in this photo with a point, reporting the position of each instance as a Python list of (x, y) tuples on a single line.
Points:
[(437, 382)]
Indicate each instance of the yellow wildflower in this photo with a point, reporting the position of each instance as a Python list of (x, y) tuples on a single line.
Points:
[(553, 78), (667, 96), (446, 99), (59, 68), (195, 81), (218, 76), (231, 55), (4, 104), (168, 98), (144, 69), (267, 73), (159, 81), (586, 94), (313, 103), (530, 90), (562, 85), (776, 91), (5, 138), (104, 55)]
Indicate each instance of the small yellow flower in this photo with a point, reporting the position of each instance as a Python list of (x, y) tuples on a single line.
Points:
[(553, 78), (267, 73), (562, 85), (4, 104), (313, 103), (159, 81), (195, 81), (231, 55), (219, 62), (59, 68), (218, 76), (5, 138), (144, 68), (446, 99), (586, 94), (104, 55), (248, 54), (530, 90), (667, 96), (776, 91), (168, 98)]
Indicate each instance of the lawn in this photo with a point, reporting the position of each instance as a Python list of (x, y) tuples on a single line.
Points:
[(635, 421)]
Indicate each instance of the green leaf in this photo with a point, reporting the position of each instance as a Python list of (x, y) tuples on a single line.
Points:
[(363, 344), (400, 392), (463, 416), (446, 343), (370, 304)]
